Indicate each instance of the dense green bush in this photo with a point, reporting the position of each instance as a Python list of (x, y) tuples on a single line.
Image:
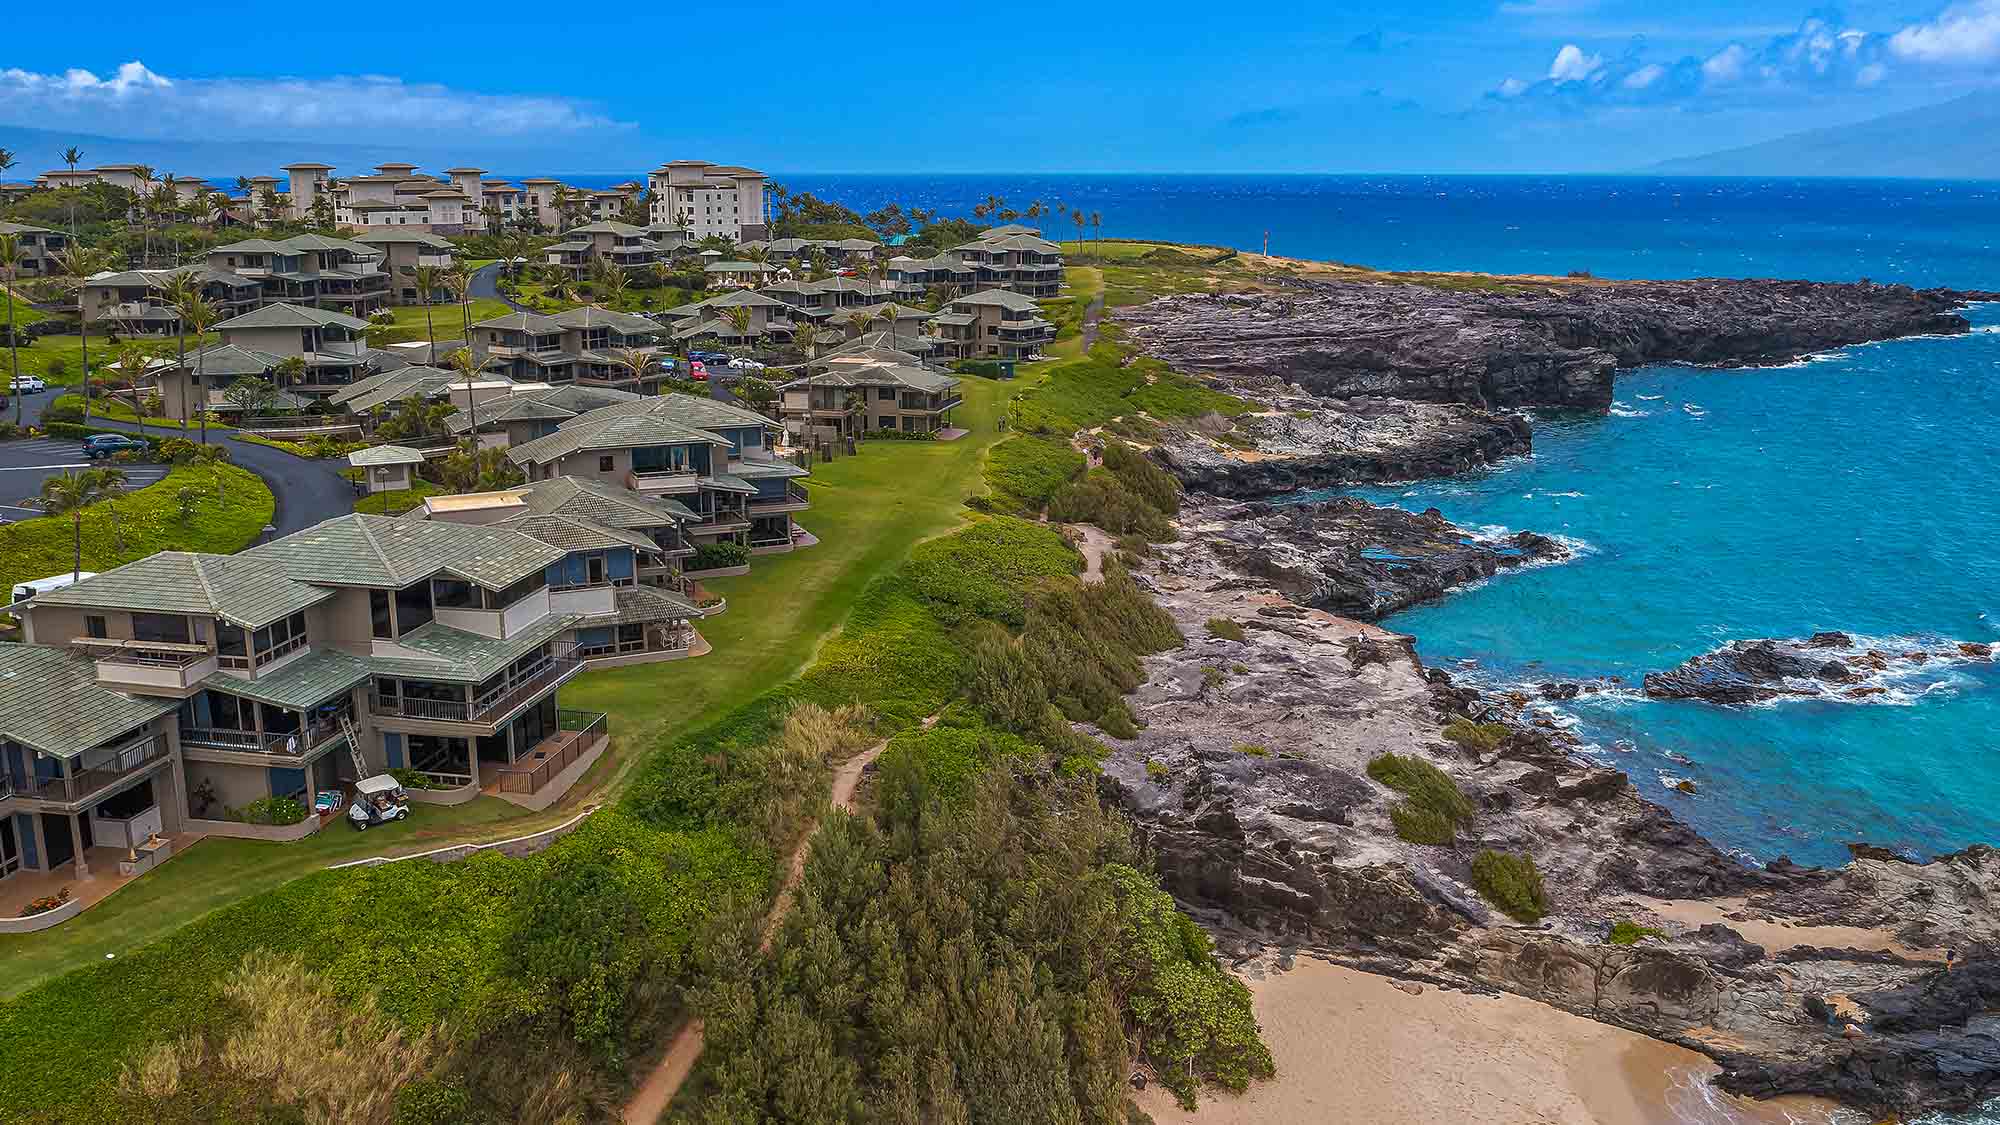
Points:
[(985, 368), (411, 779), (987, 569), (1102, 499), (717, 556), (1432, 808), (1476, 737), (1226, 628), (1511, 883), (272, 810), (1117, 721), (1627, 932), (899, 435), (1139, 473), (1026, 470)]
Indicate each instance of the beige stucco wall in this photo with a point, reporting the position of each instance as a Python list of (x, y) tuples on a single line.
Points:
[(278, 341)]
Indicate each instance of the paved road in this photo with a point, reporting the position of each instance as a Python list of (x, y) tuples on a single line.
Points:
[(486, 283), (24, 465)]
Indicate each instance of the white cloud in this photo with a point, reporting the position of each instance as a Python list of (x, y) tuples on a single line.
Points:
[(1572, 65), (1510, 88), (1962, 34), (138, 102), (1725, 65), (1644, 76)]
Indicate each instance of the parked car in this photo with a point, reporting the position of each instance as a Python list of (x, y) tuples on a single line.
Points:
[(29, 385), (97, 446), (377, 800), (697, 372), (745, 363), (710, 357)]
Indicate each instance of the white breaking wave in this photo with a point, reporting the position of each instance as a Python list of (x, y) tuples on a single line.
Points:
[(1693, 1100), (1693, 410), (1897, 671), (1626, 410)]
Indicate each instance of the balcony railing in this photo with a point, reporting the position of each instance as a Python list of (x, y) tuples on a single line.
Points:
[(111, 767), (498, 700), (145, 654), (793, 499), (579, 733), (293, 744), (663, 480)]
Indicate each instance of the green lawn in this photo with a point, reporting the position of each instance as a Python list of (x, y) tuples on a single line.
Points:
[(66, 352), (868, 511), (148, 520), (396, 501), (118, 410), (446, 320), (535, 295), (24, 313)]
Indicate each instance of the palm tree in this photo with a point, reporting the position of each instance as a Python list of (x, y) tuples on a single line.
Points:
[(637, 360), (10, 261), (1076, 216), (1097, 230), (858, 320), (110, 486), (78, 262), (72, 156), (145, 174), (290, 370), (169, 197), (178, 291), (68, 495), (7, 159), (458, 279), (739, 318), (428, 279), (200, 316), (611, 282), (468, 368)]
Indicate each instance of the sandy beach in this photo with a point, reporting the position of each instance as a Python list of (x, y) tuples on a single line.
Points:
[(1352, 1046)]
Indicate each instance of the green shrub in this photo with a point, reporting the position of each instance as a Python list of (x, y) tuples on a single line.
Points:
[(1117, 722), (432, 1101), (1213, 677), (410, 779), (1628, 932), (1511, 883), (1432, 808), (1156, 769), (1225, 628), (272, 810), (1476, 737), (1147, 480), (1253, 750), (1137, 546), (719, 556), (1025, 471), (986, 570), (1102, 499)]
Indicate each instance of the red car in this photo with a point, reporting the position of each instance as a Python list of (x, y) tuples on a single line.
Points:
[(697, 372)]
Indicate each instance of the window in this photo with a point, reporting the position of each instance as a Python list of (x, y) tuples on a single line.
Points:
[(886, 394), (539, 580), (93, 626), (160, 627), (413, 607), (277, 639), (454, 593), (604, 464), (594, 569)]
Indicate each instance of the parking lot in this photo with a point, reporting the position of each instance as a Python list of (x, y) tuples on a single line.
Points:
[(24, 465)]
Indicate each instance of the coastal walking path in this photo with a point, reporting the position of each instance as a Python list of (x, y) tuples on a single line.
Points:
[(656, 1093)]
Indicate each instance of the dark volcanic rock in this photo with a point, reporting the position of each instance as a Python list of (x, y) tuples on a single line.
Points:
[(1521, 344), (1361, 561), (1761, 670)]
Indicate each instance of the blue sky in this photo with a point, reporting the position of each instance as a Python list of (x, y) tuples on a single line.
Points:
[(1167, 85)]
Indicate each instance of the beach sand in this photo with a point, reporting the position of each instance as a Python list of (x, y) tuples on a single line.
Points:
[(1352, 1047)]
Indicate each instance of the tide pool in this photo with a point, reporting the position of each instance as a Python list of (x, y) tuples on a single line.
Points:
[(1857, 491)]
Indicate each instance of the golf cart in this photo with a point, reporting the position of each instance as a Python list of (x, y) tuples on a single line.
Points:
[(377, 800)]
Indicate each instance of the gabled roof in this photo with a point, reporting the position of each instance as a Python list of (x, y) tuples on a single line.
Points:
[(283, 315), (384, 237), (739, 267), (50, 700), (606, 226), (1007, 229), (602, 503), (745, 298), (601, 430), (22, 228), (590, 316), (523, 322), (1004, 298), (305, 682), (635, 604), (440, 652), (574, 533), (381, 551), (248, 591), (384, 455), (230, 359), (878, 375)]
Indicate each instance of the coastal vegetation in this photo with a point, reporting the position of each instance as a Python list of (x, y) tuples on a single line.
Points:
[(1224, 628), (1432, 808), (1511, 882), (1627, 932), (1476, 738)]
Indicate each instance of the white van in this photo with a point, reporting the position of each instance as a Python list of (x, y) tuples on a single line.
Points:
[(26, 590)]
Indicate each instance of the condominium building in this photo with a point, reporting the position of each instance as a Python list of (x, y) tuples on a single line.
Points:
[(405, 250), (1014, 258), (332, 346), (711, 457), (620, 244), (306, 183), (995, 324), (310, 269), (164, 695), (587, 345), (708, 200), (38, 247), (856, 395), (135, 302)]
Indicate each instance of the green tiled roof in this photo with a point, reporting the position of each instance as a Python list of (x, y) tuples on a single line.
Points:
[(622, 230), (604, 504), (878, 375), (382, 551), (765, 470), (590, 316), (397, 385), (635, 604), (723, 482), (50, 700), (231, 359), (523, 322), (440, 652), (305, 682), (249, 591), (744, 298), (607, 428), (283, 315), (573, 533), (1006, 299)]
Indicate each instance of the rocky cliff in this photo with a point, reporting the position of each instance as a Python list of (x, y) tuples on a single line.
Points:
[(1249, 780), (1512, 343)]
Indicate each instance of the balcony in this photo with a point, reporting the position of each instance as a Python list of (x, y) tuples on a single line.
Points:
[(488, 706), (159, 666), (93, 772), (658, 482), (795, 499), (580, 732), (290, 745), (441, 261)]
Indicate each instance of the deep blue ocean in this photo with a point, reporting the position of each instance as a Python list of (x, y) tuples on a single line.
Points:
[(1856, 491)]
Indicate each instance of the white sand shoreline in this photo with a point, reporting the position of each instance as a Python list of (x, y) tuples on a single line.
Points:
[(1353, 1047)]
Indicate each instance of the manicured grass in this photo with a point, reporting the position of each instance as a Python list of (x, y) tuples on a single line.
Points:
[(535, 295), (118, 410), (24, 313), (396, 501), (868, 511), (149, 521), (447, 320), (104, 355)]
